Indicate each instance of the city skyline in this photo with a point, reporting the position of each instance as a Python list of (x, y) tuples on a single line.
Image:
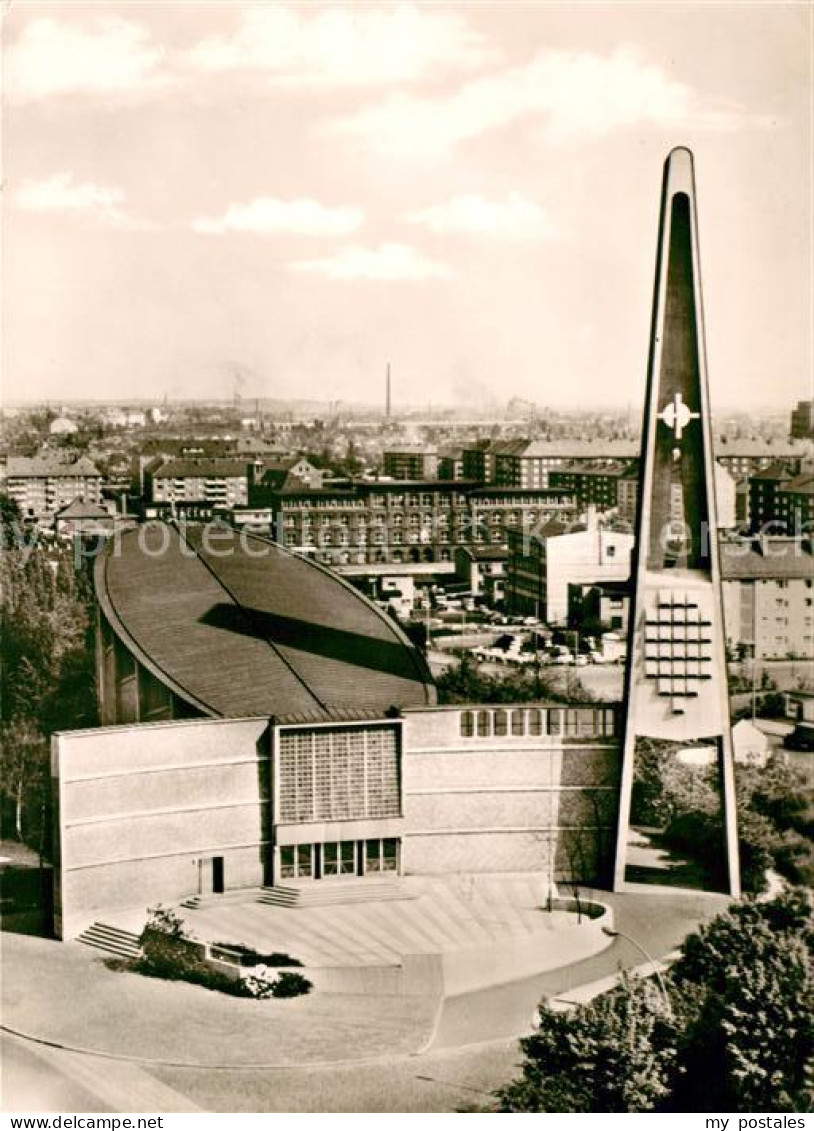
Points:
[(466, 192)]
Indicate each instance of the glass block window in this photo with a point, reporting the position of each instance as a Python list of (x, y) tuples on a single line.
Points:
[(338, 774)]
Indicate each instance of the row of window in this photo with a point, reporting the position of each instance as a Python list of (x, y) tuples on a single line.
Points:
[(499, 722), (339, 858), (478, 518)]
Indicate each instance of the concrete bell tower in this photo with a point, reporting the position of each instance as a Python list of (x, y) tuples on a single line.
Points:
[(676, 678)]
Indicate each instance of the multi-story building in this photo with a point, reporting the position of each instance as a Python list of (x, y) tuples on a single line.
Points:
[(795, 504), (529, 463), (411, 463), (802, 421), (197, 487), (768, 592), (591, 484), (477, 462), (46, 483), (541, 567), (627, 494), (603, 606), (763, 488), (380, 521), (451, 463), (482, 569), (743, 458), (295, 470)]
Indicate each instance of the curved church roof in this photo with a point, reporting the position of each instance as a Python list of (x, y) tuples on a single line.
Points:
[(236, 625)]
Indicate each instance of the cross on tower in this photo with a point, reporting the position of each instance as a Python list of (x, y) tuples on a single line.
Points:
[(677, 415)]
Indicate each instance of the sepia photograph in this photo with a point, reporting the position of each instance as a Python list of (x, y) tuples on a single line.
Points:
[(406, 561)]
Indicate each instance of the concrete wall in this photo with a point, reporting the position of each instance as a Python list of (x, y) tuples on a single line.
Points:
[(506, 804), (142, 810)]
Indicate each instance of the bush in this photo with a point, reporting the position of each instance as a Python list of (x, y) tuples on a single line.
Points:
[(290, 985), (166, 950), (169, 954)]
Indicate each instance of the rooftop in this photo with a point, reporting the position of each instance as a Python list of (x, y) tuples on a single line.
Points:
[(801, 485), (766, 558), (49, 464), (237, 626), (205, 467)]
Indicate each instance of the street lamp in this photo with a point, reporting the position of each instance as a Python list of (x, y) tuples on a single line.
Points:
[(613, 934)]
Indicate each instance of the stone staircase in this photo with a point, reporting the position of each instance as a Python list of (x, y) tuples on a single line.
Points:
[(330, 893), (112, 940), (236, 895)]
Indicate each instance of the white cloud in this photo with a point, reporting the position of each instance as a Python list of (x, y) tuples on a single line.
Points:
[(388, 262), (516, 218), (574, 93), (298, 217), (54, 58), (62, 194), (353, 45)]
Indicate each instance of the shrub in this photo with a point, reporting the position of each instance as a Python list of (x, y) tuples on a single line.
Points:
[(290, 985), (166, 950)]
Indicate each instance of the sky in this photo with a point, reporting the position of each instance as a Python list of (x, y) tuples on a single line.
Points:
[(278, 199)]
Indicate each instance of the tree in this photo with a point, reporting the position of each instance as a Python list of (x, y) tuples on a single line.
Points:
[(47, 677), (613, 1054), (746, 994), (10, 521), (737, 1034), (466, 683)]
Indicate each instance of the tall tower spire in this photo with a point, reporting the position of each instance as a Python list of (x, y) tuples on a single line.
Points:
[(676, 681), (387, 394)]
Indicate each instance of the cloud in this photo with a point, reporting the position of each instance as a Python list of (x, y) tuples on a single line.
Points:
[(574, 93), (516, 218), (270, 215), (62, 194), (53, 58), (388, 262), (351, 46)]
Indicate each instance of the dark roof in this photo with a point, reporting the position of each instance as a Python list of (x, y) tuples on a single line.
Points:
[(255, 631), (484, 553), (769, 558), (776, 470), (205, 468), (610, 469), (802, 485), (78, 508)]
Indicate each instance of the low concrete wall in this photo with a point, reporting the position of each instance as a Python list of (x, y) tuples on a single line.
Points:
[(418, 975)]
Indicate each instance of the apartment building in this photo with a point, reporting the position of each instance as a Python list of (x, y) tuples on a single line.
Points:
[(44, 484), (768, 593), (411, 463)]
